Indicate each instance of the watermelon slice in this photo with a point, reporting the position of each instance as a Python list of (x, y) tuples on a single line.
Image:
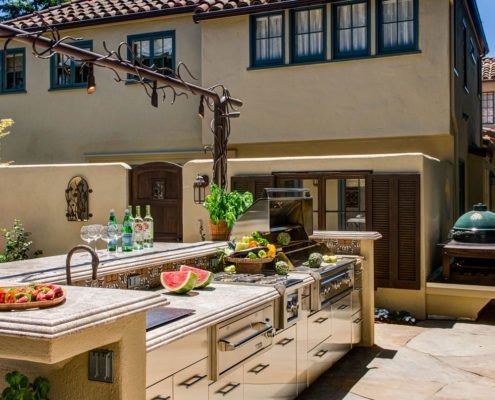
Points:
[(205, 277), (179, 281)]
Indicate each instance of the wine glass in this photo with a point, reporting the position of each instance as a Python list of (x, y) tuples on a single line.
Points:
[(85, 234), (94, 233), (106, 235)]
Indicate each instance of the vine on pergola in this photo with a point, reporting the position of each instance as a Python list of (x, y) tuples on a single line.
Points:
[(128, 67)]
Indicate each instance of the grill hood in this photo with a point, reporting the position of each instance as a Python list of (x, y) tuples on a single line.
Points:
[(277, 211)]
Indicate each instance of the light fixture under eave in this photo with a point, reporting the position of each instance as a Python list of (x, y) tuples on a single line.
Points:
[(201, 109), (154, 95), (200, 184), (91, 79)]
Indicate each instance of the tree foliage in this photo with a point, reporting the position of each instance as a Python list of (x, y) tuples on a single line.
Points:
[(4, 125), (15, 8)]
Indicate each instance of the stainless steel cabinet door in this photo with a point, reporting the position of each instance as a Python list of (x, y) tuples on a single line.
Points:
[(229, 387), (161, 391), (273, 375), (341, 326), (192, 383)]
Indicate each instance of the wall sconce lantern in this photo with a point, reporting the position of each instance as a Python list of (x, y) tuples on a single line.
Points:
[(200, 184)]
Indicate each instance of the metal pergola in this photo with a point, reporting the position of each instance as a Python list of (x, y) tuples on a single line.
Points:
[(47, 41)]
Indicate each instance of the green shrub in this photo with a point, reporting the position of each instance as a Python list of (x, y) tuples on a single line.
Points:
[(17, 243), (21, 389)]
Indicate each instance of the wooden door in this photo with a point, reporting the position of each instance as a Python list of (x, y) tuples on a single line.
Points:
[(159, 184)]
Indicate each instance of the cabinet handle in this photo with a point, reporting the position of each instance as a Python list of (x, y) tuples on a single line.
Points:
[(285, 342), (161, 398), (343, 306), (228, 388), (321, 353), (192, 381), (357, 320), (320, 320), (260, 367)]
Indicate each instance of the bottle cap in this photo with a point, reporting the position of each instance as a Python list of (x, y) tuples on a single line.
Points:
[(112, 211), (126, 212)]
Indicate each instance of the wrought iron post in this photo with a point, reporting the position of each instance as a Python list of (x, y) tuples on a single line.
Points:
[(44, 47)]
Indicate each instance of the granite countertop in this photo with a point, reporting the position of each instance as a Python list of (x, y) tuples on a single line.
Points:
[(83, 308), (52, 269), (214, 304)]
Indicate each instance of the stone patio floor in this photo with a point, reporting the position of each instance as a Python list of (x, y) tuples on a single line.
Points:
[(441, 360)]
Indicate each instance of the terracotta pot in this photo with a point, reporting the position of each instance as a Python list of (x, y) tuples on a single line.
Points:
[(219, 232)]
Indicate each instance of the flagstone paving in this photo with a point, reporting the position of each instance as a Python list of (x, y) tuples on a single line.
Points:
[(439, 360)]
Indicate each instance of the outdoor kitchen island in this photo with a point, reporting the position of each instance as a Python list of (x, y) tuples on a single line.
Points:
[(228, 348)]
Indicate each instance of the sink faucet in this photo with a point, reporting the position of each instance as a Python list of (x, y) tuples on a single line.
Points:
[(95, 261)]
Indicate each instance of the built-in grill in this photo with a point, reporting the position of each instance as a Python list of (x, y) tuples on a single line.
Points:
[(291, 211)]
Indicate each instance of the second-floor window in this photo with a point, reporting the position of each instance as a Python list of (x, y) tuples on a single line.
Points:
[(67, 73), (12, 70), (308, 34), (267, 44), (488, 108), (156, 49), (397, 25), (351, 29)]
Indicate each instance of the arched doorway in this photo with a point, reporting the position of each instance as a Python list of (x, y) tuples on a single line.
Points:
[(159, 184)]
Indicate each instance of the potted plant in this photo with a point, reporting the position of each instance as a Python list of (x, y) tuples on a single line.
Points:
[(224, 208)]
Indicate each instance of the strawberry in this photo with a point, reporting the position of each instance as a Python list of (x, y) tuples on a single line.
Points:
[(41, 296), (59, 292), (50, 295)]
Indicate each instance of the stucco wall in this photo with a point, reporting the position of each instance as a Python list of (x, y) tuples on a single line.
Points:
[(400, 96), (435, 205), (63, 125), (36, 196)]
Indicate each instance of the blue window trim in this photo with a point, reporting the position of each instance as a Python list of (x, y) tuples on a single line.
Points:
[(3, 70), (350, 54), (379, 31), (301, 59), (151, 36), (85, 44), (252, 41)]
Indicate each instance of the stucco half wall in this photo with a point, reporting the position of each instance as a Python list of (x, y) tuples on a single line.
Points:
[(35, 194), (436, 210)]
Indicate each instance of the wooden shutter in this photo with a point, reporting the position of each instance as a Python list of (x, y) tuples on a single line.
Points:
[(255, 184), (394, 203)]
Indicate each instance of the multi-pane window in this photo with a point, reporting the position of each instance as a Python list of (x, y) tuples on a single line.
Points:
[(397, 25), (67, 72), (267, 32), (488, 108), (12, 69), (351, 29), (308, 34), (156, 49)]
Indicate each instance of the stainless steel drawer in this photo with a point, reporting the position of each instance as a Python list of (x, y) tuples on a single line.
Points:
[(229, 387), (341, 326), (320, 359), (192, 383), (357, 326), (240, 338), (273, 374), (183, 352), (162, 390), (319, 327)]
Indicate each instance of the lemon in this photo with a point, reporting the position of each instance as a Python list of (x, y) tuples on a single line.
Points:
[(229, 269)]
